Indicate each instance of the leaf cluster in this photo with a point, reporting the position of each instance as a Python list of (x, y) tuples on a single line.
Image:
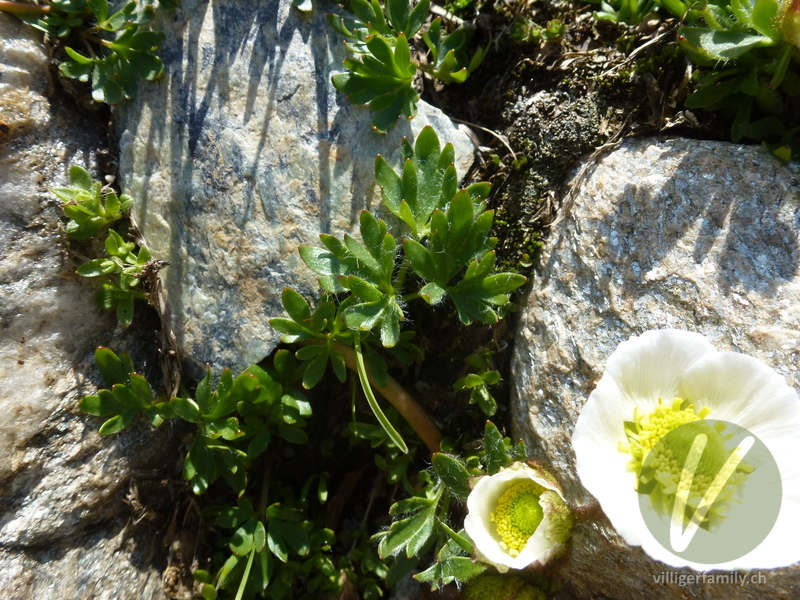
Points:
[(381, 72), (235, 422), (122, 271), (445, 254), (89, 206), (117, 50), (270, 549), (273, 548), (92, 208), (759, 75), (450, 59), (479, 381), (750, 65), (526, 31)]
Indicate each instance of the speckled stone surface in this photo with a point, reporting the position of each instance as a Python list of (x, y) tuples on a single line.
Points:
[(240, 154), (62, 488), (695, 235)]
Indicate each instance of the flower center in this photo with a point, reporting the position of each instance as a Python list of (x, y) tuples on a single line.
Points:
[(517, 515), (659, 444)]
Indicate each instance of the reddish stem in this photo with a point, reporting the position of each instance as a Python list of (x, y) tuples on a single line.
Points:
[(20, 8), (399, 398)]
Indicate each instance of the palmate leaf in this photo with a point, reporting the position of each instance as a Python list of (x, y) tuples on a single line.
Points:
[(427, 182), (372, 261), (452, 561), (413, 532), (481, 288), (459, 239), (383, 79), (367, 271)]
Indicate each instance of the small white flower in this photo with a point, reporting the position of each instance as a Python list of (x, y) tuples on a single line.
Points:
[(652, 385), (517, 517)]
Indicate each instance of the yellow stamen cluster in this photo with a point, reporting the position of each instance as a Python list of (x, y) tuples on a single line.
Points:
[(517, 515), (651, 428), (659, 466)]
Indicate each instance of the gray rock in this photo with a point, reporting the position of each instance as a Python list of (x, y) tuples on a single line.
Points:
[(62, 489), (695, 235), (240, 154)]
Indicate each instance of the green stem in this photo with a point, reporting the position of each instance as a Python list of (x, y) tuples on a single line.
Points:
[(401, 276), (246, 575), (397, 396), (429, 69), (20, 8), (372, 401), (409, 297)]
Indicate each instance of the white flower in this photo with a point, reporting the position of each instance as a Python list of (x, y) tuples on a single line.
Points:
[(517, 517), (653, 384)]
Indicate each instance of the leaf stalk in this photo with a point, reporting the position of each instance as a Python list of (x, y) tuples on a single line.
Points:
[(397, 396), (21, 8)]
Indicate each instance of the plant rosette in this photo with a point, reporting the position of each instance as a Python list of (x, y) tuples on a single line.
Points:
[(702, 442), (517, 517)]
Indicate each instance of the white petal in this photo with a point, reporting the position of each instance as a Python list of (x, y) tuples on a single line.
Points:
[(602, 467), (742, 390), (638, 373), (650, 366), (478, 524)]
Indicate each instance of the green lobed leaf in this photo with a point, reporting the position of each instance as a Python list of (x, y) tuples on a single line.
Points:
[(723, 44), (199, 467), (417, 18), (453, 474), (398, 12), (227, 429), (411, 533), (113, 368), (453, 568), (99, 8), (103, 404), (765, 18), (315, 369), (242, 540), (186, 409), (496, 455), (284, 537), (76, 70), (292, 434), (432, 293), (258, 444), (203, 394), (118, 423), (141, 390)]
